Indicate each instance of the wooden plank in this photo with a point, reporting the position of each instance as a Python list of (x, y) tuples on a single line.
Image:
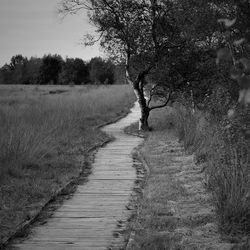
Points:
[(61, 246), (70, 233), (88, 214), (81, 221), (89, 239), (76, 226), (88, 209)]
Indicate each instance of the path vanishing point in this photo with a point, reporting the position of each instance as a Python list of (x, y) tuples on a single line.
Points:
[(89, 220)]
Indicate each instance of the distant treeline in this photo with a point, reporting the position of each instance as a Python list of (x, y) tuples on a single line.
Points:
[(53, 69)]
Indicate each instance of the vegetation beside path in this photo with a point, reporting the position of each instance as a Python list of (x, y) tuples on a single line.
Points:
[(44, 133), (220, 146), (176, 211)]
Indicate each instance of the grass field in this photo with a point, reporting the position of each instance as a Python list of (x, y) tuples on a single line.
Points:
[(43, 132)]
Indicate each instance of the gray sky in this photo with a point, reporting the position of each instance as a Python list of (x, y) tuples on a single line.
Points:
[(32, 28)]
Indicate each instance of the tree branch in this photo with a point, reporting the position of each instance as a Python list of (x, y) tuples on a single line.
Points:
[(151, 93), (117, 19), (73, 6), (163, 105), (153, 27)]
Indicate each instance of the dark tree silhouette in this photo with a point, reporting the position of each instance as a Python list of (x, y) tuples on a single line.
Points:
[(50, 69), (74, 71), (101, 71)]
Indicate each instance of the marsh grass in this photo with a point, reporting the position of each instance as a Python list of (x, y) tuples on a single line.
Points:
[(225, 157), (228, 175), (41, 136)]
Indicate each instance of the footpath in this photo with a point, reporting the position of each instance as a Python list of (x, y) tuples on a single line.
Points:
[(97, 212)]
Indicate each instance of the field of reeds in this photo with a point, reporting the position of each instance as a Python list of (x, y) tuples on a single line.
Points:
[(44, 131)]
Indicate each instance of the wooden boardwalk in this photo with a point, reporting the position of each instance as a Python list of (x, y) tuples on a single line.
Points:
[(89, 220)]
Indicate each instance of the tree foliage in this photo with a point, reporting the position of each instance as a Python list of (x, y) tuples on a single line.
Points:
[(74, 71), (52, 69), (163, 43), (101, 71)]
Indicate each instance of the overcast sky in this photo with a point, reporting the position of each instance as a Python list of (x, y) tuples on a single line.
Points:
[(32, 28)]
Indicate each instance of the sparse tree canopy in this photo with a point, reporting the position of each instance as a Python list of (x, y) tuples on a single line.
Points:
[(146, 34)]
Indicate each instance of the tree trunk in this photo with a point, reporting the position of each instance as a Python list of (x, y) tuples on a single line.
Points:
[(143, 122), (138, 86)]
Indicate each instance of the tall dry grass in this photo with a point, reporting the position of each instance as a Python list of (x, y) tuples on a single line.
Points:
[(30, 133), (225, 157), (229, 179), (190, 127)]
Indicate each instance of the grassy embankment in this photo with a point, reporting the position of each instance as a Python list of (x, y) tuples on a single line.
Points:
[(175, 211), (197, 193), (222, 151), (44, 133)]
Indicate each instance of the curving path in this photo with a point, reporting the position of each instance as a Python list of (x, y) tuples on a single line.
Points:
[(89, 220)]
